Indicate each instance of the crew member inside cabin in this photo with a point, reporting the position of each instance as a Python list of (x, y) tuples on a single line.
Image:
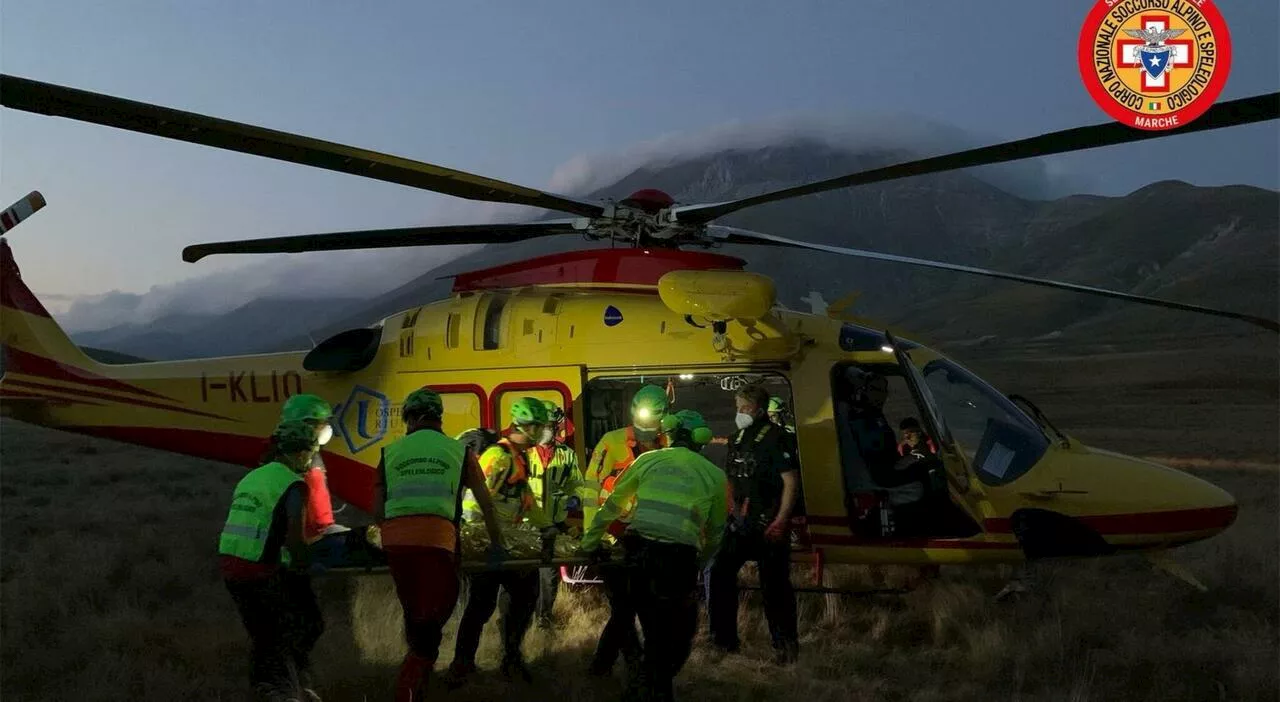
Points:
[(763, 484), (506, 472), (264, 561), (613, 455), (914, 442), (679, 502), (557, 483), (418, 503)]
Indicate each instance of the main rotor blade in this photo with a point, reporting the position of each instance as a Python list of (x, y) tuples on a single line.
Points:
[(48, 99), (733, 235), (1224, 114), (32, 203), (384, 238)]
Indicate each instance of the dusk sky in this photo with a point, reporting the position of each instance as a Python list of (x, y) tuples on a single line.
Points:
[(515, 90)]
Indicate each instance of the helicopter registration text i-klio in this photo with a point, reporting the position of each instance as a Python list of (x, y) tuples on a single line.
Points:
[(588, 328)]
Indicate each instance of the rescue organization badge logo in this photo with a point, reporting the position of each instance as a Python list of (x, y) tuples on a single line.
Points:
[(1154, 64)]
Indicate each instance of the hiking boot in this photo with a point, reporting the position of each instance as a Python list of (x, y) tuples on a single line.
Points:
[(458, 674), (786, 654), (514, 666)]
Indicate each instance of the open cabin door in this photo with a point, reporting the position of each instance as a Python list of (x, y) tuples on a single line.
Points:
[(961, 486)]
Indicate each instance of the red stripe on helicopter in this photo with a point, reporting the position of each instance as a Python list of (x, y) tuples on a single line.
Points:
[(14, 293), (114, 398), (1167, 522), (28, 363), (349, 479), (9, 394), (850, 540), (626, 266)]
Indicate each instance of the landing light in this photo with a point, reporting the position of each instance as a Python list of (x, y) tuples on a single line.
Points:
[(887, 349)]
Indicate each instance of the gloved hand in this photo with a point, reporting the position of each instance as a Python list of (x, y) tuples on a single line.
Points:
[(776, 530), (496, 555), (599, 554)]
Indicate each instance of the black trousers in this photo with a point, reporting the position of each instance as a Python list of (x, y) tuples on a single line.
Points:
[(774, 561), (284, 622), (482, 598), (619, 634), (663, 583), (548, 588)]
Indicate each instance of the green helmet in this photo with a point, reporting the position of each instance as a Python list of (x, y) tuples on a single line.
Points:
[(689, 421), (776, 405), (528, 410), (424, 402), (554, 413), (303, 407), (294, 436), (648, 405)]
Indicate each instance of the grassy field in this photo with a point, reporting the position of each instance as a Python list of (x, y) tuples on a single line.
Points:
[(110, 589)]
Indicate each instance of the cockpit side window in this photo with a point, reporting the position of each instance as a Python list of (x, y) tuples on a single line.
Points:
[(999, 440)]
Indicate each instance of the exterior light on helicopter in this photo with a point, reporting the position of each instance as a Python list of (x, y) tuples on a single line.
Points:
[(686, 376), (887, 349)]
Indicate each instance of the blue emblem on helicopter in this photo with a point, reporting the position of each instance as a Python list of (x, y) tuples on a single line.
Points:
[(363, 418), (612, 316)]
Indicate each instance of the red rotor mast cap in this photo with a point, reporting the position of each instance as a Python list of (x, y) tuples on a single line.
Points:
[(650, 200)]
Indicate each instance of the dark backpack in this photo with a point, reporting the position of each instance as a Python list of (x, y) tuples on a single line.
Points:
[(478, 439)]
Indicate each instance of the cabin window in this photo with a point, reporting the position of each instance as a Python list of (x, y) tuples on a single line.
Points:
[(506, 395), (999, 440), (608, 402), (491, 335), (895, 482), (454, 330)]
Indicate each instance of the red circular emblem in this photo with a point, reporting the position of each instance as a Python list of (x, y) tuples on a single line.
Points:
[(1154, 64)]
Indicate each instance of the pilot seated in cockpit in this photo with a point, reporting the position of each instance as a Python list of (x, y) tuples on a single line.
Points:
[(874, 449)]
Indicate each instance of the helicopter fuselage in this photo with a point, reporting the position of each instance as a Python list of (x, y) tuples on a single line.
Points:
[(576, 327)]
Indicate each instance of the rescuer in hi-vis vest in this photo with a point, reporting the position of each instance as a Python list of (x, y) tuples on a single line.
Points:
[(558, 487), (676, 524), (613, 455), (506, 473), (418, 503), (264, 561), (327, 537)]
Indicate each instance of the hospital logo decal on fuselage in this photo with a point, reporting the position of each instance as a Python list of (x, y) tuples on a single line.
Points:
[(363, 418), (612, 316)]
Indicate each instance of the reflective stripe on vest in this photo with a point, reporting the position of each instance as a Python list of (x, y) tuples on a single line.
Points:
[(667, 499), (253, 507), (423, 475), (512, 488), (552, 478)]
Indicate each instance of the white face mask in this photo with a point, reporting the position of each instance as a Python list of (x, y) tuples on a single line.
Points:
[(326, 433), (546, 436), (744, 420)]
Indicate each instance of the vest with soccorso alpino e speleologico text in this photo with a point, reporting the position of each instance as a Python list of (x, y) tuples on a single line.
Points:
[(423, 473), (253, 508)]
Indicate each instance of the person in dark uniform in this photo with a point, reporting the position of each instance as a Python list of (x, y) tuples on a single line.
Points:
[(763, 484)]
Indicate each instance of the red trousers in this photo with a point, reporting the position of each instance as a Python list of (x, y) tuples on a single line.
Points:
[(427, 584)]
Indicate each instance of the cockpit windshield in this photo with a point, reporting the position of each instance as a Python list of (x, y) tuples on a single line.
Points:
[(999, 440)]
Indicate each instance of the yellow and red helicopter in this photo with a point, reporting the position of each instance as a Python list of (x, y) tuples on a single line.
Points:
[(587, 328)]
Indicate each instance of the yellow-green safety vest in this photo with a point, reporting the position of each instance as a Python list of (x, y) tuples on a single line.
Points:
[(506, 475), (679, 498), (554, 483), (423, 475), (253, 506)]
